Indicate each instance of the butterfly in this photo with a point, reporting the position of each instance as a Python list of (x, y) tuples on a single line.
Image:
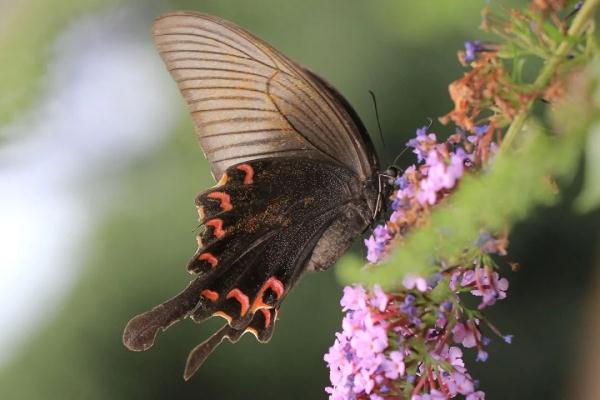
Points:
[(299, 179)]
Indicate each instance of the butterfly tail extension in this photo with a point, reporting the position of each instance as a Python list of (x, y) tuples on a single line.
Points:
[(200, 353), (261, 326), (141, 330)]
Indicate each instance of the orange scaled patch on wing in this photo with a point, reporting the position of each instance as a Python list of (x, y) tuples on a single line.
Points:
[(224, 199), (252, 331), (210, 294), (212, 260), (275, 285), (267, 315), (223, 315), (216, 223), (241, 298), (249, 171)]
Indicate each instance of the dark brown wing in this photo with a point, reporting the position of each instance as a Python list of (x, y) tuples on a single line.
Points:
[(266, 222), (249, 101)]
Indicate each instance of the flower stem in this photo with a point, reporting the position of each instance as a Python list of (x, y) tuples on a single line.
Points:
[(579, 24)]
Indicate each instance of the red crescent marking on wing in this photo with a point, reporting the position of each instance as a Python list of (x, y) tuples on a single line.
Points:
[(216, 223), (241, 298), (259, 304), (212, 260), (210, 294), (247, 168), (224, 199), (275, 285), (267, 314)]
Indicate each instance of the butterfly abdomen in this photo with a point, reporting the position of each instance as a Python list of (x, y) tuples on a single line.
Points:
[(338, 237)]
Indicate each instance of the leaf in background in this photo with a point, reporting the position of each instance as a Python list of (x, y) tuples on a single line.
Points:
[(589, 198), (27, 28)]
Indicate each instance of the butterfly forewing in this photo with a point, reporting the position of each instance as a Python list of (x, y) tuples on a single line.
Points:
[(249, 101)]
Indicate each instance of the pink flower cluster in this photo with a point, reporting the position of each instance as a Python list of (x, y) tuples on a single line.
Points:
[(377, 243), (483, 283), (439, 169), (407, 346), (360, 361)]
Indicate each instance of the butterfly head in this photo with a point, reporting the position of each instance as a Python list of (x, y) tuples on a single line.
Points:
[(390, 174), (387, 179)]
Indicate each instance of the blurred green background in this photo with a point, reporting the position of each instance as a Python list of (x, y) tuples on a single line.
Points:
[(135, 214)]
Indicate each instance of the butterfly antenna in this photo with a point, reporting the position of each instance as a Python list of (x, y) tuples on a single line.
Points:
[(429, 123), (398, 157), (377, 116)]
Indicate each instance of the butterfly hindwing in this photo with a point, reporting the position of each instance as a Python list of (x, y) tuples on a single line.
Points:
[(268, 232), (257, 258)]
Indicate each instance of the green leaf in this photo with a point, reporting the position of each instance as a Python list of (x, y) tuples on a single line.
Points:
[(517, 69), (553, 32), (441, 292)]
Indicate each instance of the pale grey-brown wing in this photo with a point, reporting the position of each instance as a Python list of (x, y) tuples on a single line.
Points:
[(249, 101)]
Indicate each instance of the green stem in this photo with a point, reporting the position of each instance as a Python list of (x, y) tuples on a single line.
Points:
[(577, 27)]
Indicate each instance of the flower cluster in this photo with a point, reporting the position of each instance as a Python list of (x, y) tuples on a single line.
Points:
[(410, 344), (357, 359), (439, 170)]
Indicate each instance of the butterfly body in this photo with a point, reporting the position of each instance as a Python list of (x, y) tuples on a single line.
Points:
[(298, 179)]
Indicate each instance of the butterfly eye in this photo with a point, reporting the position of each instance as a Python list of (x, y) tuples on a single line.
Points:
[(391, 172), (390, 175)]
